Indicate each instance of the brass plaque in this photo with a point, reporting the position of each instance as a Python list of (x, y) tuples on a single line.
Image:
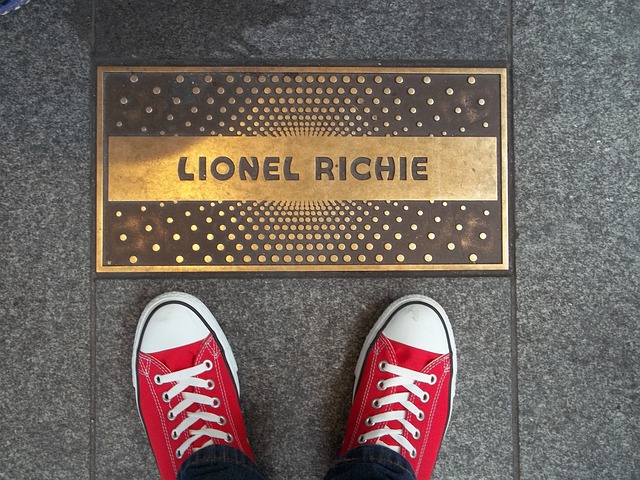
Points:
[(301, 169)]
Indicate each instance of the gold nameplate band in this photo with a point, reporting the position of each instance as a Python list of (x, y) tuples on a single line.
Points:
[(311, 169), (301, 169)]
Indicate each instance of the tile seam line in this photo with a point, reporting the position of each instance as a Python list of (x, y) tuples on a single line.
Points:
[(515, 402), (92, 279), (92, 368), (93, 29)]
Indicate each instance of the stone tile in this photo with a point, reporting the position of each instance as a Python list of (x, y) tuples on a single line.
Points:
[(270, 322), (297, 341), (44, 241), (578, 210), (316, 30)]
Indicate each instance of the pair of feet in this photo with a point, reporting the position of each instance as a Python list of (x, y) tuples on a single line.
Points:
[(187, 388)]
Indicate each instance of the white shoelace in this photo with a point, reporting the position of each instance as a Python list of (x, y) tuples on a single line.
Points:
[(403, 377), (189, 378)]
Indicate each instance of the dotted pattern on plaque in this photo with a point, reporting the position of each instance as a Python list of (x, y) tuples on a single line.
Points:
[(357, 232), (302, 104)]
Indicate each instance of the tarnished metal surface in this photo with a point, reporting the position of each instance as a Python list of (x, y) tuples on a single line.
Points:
[(338, 169)]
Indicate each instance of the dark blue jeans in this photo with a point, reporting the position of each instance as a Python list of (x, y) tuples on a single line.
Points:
[(369, 462)]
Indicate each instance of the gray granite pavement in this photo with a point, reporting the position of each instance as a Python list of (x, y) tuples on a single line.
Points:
[(576, 124), (566, 320), (45, 210)]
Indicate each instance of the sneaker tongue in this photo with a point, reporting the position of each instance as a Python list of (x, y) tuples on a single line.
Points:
[(411, 357), (179, 358)]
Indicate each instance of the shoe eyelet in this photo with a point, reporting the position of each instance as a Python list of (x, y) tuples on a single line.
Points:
[(413, 453), (433, 380), (210, 385), (208, 364), (174, 434), (425, 397), (178, 454), (165, 397), (369, 422), (420, 416), (157, 379), (215, 402), (361, 439), (171, 415), (229, 438), (381, 385), (416, 435), (222, 421), (382, 366), (376, 403)]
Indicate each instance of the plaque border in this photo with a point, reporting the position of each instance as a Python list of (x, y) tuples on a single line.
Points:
[(505, 267)]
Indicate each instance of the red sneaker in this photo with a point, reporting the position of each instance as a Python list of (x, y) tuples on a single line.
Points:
[(186, 381), (405, 383)]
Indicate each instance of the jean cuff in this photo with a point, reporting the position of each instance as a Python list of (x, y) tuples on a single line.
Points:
[(221, 460), (378, 457)]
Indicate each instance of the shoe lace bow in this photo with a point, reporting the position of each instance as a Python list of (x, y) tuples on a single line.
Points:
[(182, 380), (405, 378)]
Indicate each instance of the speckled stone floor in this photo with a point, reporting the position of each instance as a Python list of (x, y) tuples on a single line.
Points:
[(549, 356)]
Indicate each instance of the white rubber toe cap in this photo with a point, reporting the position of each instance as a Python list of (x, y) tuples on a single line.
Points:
[(418, 326), (172, 325)]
